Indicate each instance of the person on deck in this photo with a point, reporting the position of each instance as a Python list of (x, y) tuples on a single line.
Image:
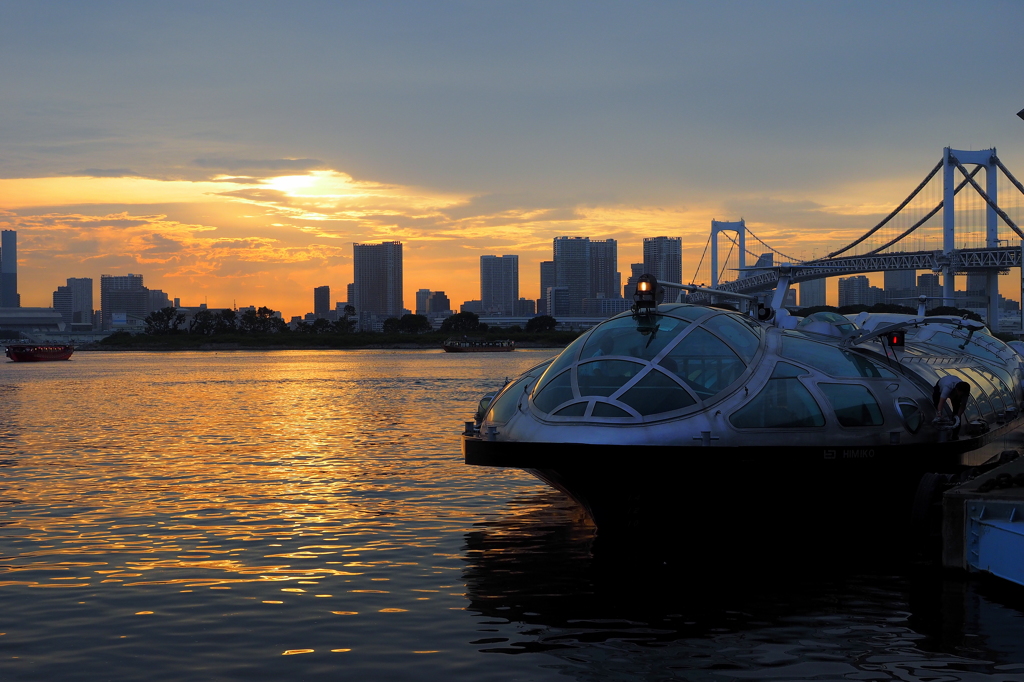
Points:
[(954, 389)]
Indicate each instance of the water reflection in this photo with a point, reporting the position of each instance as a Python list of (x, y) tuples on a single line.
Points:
[(292, 515), (599, 614)]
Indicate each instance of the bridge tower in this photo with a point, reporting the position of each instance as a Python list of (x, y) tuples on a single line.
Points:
[(740, 228), (986, 158)]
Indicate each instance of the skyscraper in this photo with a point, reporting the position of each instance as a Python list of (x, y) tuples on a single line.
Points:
[(635, 271), (499, 284), (422, 301), (900, 284), (604, 266), (74, 301), (572, 271), (812, 292), (663, 258), (547, 280), (9, 297), (124, 296), (377, 270), (321, 302)]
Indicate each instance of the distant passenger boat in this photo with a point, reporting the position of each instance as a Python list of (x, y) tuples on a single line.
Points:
[(25, 352), (464, 345)]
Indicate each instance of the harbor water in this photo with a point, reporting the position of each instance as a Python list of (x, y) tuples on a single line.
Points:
[(306, 515)]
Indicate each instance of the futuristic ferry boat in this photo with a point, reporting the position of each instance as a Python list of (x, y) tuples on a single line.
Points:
[(679, 409)]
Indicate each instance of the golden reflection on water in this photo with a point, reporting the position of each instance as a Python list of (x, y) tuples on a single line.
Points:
[(296, 475)]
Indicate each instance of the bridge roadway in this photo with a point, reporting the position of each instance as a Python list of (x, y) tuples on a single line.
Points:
[(962, 260)]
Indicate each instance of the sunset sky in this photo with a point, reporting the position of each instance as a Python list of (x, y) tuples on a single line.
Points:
[(234, 151)]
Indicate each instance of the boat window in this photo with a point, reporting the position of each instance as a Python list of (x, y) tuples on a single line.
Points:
[(987, 411), (607, 410), (972, 412), (947, 340), (604, 377), (741, 338), (783, 403), (910, 413), (704, 362), (563, 360), (853, 404), (620, 337), (830, 359), (784, 370), (505, 405), (554, 393), (685, 311), (574, 410), (656, 393), (983, 384)]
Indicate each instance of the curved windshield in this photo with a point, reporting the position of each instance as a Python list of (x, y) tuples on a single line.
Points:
[(704, 362), (830, 359), (620, 337), (853, 404), (783, 403)]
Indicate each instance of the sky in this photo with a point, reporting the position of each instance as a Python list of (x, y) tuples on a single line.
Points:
[(232, 152)]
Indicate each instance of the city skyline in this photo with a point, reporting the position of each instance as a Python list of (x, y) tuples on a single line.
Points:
[(442, 127)]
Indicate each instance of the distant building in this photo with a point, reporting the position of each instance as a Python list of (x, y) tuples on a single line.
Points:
[(558, 302), (635, 271), (157, 300), (857, 290), (438, 304), (900, 287), (422, 301), (124, 301), (74, 301), (547, 280), (663, 258), (499, 283), (605, 307), (525, 307), (605, 280), (572, 271), (321, 302), (476, 307), (9, 297), (928, 285), (812, 292), (377, 270)]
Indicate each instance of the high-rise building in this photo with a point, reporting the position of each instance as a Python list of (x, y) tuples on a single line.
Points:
[(857, 290), (9, 297), (572, 271), (74, 301), (438, 303), (377, 270), (499, 284), (635, 271), (321, 302), (604, 265), (547, 280), (525, 307), (928, 285), (422, 301), (812, 292), (663, 258), (123, 299), (900, 285)]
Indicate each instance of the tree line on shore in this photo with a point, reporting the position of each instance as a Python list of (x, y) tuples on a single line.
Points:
[(263, 321)]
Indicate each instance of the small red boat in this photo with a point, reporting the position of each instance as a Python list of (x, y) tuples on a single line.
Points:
[(26, 352)]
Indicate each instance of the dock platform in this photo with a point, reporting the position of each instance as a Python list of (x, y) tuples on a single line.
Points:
[(983, 523)]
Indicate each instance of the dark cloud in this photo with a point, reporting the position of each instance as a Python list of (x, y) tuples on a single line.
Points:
[(157, 243), (105, 173), (230, 164)]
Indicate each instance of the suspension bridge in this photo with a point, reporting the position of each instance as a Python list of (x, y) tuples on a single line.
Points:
[(955, 232)]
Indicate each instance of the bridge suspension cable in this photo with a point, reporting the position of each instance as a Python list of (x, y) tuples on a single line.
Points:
[(701, 262), (1009, 176), (1000, 212), (923, 220), (889, 217), (772, 249)]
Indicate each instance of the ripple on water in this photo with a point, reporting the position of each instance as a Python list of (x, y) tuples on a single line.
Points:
[(285, 514)]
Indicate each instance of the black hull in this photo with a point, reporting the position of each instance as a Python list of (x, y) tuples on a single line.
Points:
[(624, 488)]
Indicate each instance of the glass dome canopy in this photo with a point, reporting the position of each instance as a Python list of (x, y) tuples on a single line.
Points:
[(618, 372)]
